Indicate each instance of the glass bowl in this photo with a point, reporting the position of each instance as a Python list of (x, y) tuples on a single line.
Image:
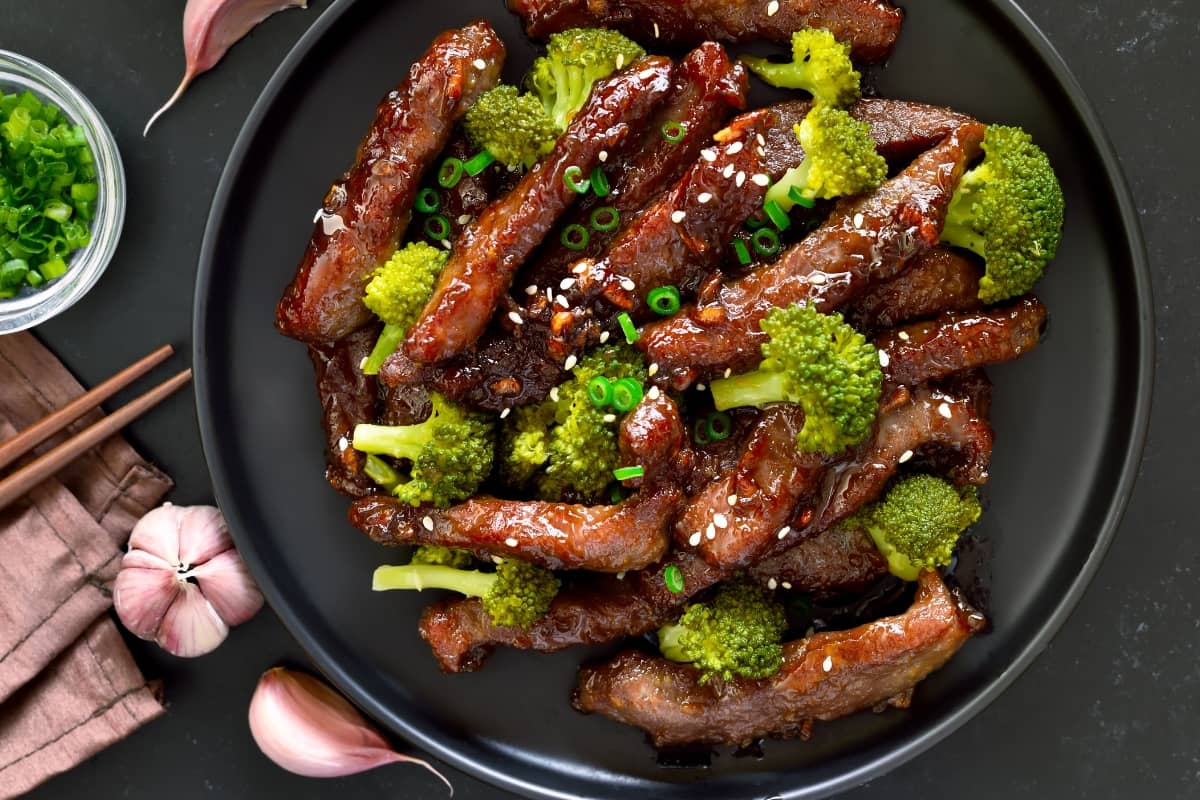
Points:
[(86, 265)]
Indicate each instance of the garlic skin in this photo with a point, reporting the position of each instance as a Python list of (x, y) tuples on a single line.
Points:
[(182, 584), (307, 728)]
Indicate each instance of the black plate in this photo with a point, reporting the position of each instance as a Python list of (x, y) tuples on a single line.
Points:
[(1070, 420)]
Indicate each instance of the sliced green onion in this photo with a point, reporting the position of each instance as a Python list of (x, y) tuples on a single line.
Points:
[(700, 432), (743, 252), (766, 241), (605, 218), (478, 163), (673, 579), (718, 426), (777, 215), (799, 198), (600, 186), (674, 132), (13, 272), (627, 393), (574, 180), (664, 300), (437, 227), (628, 473), (600, 391), (575, 237), (617, 494), (450, 173), (627, 327), (34, 278), (428, 201), (54, 268), (754, 223), (57, 211)]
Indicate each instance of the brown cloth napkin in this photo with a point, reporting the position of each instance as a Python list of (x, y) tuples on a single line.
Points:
[(68, 685)]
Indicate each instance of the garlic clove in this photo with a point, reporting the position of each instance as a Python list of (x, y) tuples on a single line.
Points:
[(227, 584), (140, 559), (158, 533), (142, 597), (191, 627), (307, 728), (202, 534)]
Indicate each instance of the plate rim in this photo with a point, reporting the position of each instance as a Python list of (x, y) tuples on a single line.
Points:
[(894, 756)]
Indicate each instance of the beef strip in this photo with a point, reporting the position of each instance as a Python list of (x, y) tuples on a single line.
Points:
[(870, 26), (840, 561), (707, 87), (955, 342), (866, 240), (934, 282), (652, 436), (488, 253), (824, 677), (347, 398), (368, 210), (593, 610), (627, 536)]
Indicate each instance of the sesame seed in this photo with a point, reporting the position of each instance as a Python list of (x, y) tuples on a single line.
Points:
[(428, 523), (678, 216), (772, 583), (654, 393), (504, 414), (728, 371), (700, 387), (762, 140), (516, 318), (554, 394), (786, 585), (905, 456), (817, 278), (703, 197), (620, 60), (784, 531), (479, 63), (566, 283), (720, 521), (710, 532), (652, 370), (550, 293), (363, 363), (858, 220), (732, 499), (772, 8), (761, 180), (610, 417), (944, 410), (562, 301), (604, 336), (694, 539), (580, 268), (827, 664), (464, 219), (621, 575), (709, 155), (735, 148), (446, 243), (511, 542), (627, 284), (903, 336), (740, 179), (343, 444), (728, 171), (883, 359), (656, 30), (603, 155), (497, 560), (570, 363)]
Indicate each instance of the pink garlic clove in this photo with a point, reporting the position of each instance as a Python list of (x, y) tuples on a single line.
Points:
[(142, 597), (202, 534), (191, 626), (227, 584), (307, 728), (210, 28), (157, 533)]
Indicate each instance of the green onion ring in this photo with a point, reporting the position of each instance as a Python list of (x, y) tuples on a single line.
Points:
[(627, 393), (450, 173), (718, 426), (700, 432), (599, 223), (575, 237), (600, 391), (428, 201), (664, 300), (674, 132), (673, 579), (437, 228), (766, 242), (574, 180)]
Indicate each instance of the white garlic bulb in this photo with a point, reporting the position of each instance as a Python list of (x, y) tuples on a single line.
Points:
[(182, 584)]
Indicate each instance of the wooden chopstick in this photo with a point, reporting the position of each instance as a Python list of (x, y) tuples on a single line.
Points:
[(47, 464), (42, 430)]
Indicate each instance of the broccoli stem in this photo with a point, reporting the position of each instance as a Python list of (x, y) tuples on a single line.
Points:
[(669, 643), (389, 339), (751, 389), (471, 583), (398, 441)]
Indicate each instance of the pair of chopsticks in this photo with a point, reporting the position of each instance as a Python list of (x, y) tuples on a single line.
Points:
[(44, 466)]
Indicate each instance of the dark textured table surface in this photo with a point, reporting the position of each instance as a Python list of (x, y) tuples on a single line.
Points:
[(1108, 711)]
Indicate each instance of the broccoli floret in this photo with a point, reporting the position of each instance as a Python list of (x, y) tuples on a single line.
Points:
[(397, 294), (917, 523), (737, 633), (575, 59), (513, 127), (451, 452), (840, 160), (442, 556), (517, 594), (566, 445), (1009, 211), (820, 65), (820, 362)]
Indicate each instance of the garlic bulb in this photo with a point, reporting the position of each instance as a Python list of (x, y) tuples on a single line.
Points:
[(182, 583), (307, 728)]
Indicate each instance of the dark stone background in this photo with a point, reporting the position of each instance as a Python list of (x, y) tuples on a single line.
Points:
[(1108, 711)]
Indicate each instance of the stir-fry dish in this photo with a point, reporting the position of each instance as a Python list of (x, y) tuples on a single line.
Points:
[(624, 361)]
